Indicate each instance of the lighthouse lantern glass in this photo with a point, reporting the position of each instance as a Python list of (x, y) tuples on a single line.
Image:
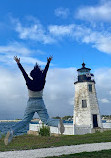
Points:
[(84, 72)]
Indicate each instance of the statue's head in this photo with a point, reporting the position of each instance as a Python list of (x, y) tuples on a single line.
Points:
[(36, 72)]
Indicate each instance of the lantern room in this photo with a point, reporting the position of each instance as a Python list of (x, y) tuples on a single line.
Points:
[(84, 74)]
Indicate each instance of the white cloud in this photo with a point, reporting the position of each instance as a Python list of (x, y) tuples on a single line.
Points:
[(99, 40), (34, 31), (62, 12), (30, 60), (12, 94), (100, 12), (103, 86), (15, 48), (104, 100), (103, 78), (59, 90), (61, 30), (8, 52), (9, 60)]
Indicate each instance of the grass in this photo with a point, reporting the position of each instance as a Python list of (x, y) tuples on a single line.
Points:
[(26, 142), (99, 154)]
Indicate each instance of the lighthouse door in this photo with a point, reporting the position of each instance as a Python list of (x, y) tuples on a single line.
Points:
[(95, 123)]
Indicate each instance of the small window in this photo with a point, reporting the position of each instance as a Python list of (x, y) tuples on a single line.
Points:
[(90, 87), (84, 104)]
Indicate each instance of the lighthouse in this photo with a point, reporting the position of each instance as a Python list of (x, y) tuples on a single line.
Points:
[(86, 108)]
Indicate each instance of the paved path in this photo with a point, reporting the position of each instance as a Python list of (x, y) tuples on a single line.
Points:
[(56, 151)]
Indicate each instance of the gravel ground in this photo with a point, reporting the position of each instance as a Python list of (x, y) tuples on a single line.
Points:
[(56, 151)]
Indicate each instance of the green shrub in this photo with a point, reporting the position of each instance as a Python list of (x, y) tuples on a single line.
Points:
[(44, 131)]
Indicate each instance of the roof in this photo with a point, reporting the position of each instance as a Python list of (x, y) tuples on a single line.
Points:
[(83, 67)]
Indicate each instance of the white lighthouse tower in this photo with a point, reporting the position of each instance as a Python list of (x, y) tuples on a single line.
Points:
[(86, 109)]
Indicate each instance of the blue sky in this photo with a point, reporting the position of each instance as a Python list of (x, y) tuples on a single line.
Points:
[(68, 49), (71, 31)]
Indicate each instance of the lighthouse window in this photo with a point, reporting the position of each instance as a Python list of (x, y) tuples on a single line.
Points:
[(90, 87), (84, 104)]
